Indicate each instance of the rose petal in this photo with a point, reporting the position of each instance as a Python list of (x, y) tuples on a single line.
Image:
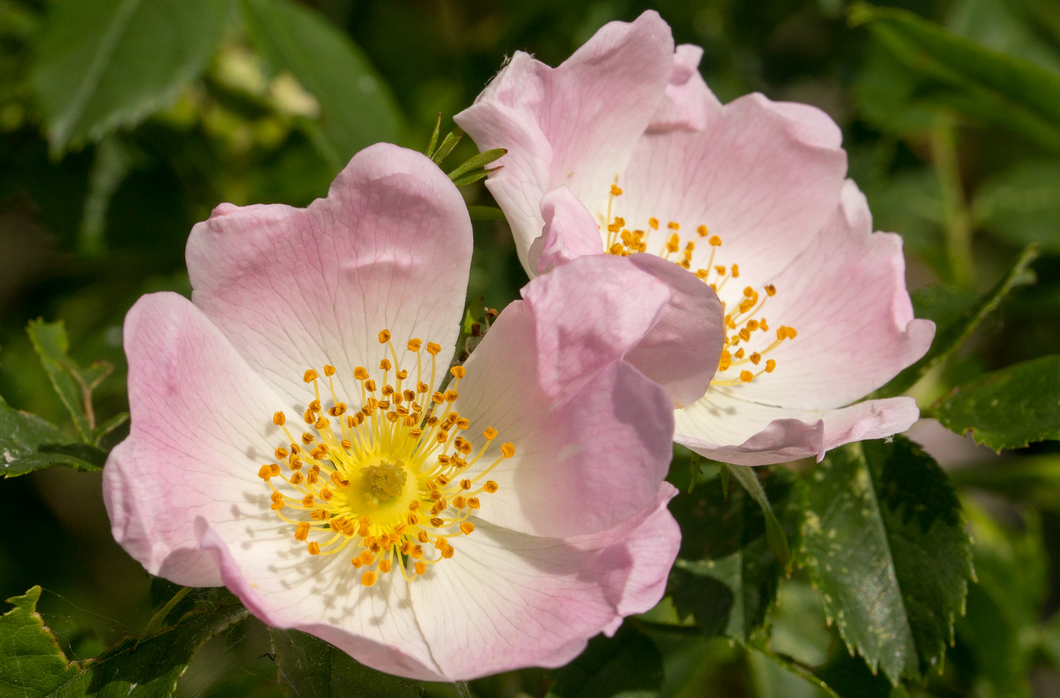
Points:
[(201, 428), (294, 289), (760, 175), (507, 600), (575, 125), (727, 429), (591, 432), (846, 297), (688, 103), (569, 232)]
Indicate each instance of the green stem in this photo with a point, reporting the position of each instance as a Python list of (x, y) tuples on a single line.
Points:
[(958, 221), (160, 617)]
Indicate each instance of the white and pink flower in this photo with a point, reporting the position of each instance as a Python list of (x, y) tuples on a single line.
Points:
[(624, 149), (292, 439)]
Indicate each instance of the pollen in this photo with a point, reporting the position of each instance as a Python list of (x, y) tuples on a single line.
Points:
[(379, 474), (746, 339)]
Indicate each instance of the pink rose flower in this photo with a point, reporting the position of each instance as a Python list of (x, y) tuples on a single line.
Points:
[(624, 149), (292, 439)]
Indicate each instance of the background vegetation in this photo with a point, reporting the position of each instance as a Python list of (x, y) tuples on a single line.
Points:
[(124, 122)]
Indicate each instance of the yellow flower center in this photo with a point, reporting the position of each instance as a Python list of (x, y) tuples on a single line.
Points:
[(746, 330), (387, 479)]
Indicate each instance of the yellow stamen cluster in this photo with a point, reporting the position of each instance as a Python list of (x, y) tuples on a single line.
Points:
[(395, 479), (741, 321)]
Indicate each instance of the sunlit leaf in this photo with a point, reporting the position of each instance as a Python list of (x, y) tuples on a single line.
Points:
[(627, 664), (357, 107), (885, 545), (312, 668), (106, 64), (1009, 408), (778, 542), (956, 315), (31, 663), (726, 575)]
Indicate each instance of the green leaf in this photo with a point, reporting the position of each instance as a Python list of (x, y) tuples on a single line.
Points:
[(106, 64), (312, 668), (73, 383), (785, 678), (628, 665), (726, 575), (29, 443), (1010, 408), (357, 107), (1022, 205), (850, 677), (956, 317), (478, 162), (448, 143), (31, 663), (130, 669), (956, 73), (778, 542), (885, 545), (996, 25)]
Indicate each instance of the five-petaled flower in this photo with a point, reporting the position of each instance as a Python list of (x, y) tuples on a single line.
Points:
[(623, 149), (293, 438)]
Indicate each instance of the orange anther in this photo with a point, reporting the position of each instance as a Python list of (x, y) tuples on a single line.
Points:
[(491, 486), (508, 449), (384, 336), (458, 372), (279, 419)]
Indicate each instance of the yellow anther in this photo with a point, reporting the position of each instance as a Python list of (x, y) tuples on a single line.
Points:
[(329, 370), (653, 223), (673, 225), (508, 450), (771, 290), (314, 548), (735, 270), (473, 503), (360, 373), (384, 336), (267, 471), (279, 419), (296, 478), (338, 410), (770, 365), (302, 532), (384, 365), (451, 395), (415, 344), (467, 528), (615, 191), (384, 566), (755, 358), (321, 423), (714, 241), (746, 376), (490, 433), (491, 486), (458, 372), (433, 349), (369, 578), (421, 568), (310, 376), (673, 244)]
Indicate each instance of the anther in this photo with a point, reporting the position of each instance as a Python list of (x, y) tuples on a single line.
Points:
[(384, 336), (310, 376), (508, 449), (279, 419), (458, 372), (329, 370)]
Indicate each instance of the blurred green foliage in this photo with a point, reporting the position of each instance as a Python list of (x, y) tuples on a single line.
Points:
[(124, 122)]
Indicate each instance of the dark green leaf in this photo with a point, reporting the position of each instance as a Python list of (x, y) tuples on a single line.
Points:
[(726, 575), (29, 443), (955, 318), (130, 669), (627, 664), (956, 73), (471, 178), (1009, 408), (31, 663), (106, 64), (996, 25), (311, 668), (885, 545), (1022, 205), (73, 383), (429, 152), (357, 107), (778, 542)]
